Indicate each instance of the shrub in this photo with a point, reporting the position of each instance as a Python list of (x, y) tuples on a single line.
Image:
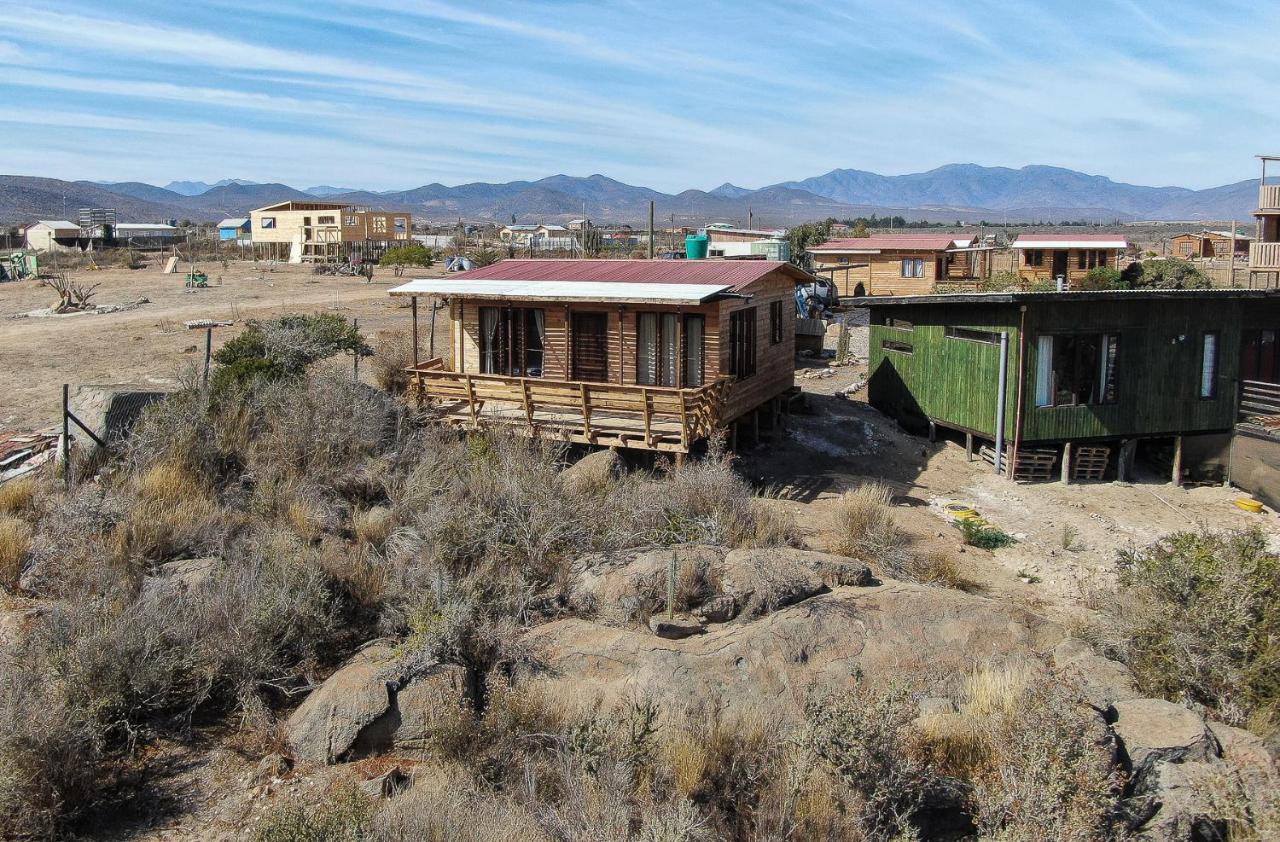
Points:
[(284, 347), (15, 543), (984, 536), (18, 495), (344, 815), (411, 255), (864, 521), (393, 354), (1170, 273), (1100, 277), (1197, 618), (484, 257)]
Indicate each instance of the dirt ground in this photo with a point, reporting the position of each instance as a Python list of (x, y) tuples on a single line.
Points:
[(1068, 535), (147, 343)]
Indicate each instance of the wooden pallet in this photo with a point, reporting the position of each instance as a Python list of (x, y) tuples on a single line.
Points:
[(1033, 465), (1090, 462)]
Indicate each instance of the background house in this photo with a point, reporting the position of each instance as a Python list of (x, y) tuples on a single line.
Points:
[(1209, 244), (899, 264), (50, 234), (235, 230), (1047, 257)]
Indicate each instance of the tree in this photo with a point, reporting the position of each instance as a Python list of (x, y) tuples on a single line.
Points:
[(804, 236), (1101, 277), (412, 255), (860, 229), (484, 257), (1170, 273), (285, 347)]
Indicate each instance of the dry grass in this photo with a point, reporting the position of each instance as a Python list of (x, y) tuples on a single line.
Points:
[(18, 495), (954, 743), (15, 543), (995, 690), (373, 526), (864, 521)]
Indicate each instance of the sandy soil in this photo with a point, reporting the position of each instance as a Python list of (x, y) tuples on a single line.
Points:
[(148, 344)]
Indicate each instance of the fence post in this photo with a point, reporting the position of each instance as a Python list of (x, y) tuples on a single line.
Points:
[(66, 435), (671, 587), (355, 356)]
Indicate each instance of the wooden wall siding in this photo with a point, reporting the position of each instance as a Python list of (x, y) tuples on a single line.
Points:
[(953, 381), (1074, 272), (775, 364), (881, 274)]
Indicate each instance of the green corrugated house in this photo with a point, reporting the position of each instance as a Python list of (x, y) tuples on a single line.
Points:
[(1087, 376)]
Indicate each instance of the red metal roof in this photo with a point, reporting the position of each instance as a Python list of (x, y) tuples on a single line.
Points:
[(891, 242), (737, 274)]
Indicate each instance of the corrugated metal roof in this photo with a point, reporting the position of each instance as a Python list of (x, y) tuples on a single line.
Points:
[(57, 223), (889, 242), (734, 274), (1066, 241), (976, 298), (232, 223), (628, 291)]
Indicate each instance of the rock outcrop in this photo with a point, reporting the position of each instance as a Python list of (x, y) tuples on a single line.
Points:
[(369, 705), (1151, 730)]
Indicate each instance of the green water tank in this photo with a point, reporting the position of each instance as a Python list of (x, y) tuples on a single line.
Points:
[(695, 246)]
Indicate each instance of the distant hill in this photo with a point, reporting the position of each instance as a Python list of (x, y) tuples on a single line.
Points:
[(195, 188), (965, 192)]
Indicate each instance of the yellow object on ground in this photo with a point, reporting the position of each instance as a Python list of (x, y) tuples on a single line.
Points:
[(1249, 505), (960, 511)]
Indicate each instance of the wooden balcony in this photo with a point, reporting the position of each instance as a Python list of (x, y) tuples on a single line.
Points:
[(608, 414), (1264, 256), (1269, 198)]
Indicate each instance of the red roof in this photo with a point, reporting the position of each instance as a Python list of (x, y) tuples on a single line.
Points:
[(891, 242), (737, 274)]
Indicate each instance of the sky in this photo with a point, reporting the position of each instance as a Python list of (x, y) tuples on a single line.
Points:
[(393, 94)]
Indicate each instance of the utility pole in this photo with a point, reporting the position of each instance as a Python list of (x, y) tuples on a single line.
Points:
[(651, 205)]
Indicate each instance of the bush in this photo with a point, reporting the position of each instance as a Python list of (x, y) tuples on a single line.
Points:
[(18, 495), (984, 536), (1197, 619), (1100, 277), (1169, 273), (394, 354), (284, 347), (344, 816), (15, 543), (484, 257), (411, 255)]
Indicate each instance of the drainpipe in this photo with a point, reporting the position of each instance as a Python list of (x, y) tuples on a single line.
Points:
[(1017, 418), (1000, 399)]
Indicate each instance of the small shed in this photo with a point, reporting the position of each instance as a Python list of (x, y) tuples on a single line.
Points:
[(236, 229), (1047, 257), (900, 263), (51, 234), (1054, 375)]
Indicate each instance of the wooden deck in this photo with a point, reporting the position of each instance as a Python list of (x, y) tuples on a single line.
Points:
[(608, 414)]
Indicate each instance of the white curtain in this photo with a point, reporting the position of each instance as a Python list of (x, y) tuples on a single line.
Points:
[(647, 349), (693, 350), (1044, 371), (669, 354), (489, 330), (1209, 365)]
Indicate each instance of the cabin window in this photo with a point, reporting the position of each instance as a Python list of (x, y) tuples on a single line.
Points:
[(400, 224), (1077, 369), (380, 224), (742, 343), (775, 322), (350, 221), (268, 222), (1209, 365), (913, 267), (843, 260), (1034, 257), (900, 347), (898, 324), (1091, 258), (511, 341), (658, 351), (984, 336), (324, 220)]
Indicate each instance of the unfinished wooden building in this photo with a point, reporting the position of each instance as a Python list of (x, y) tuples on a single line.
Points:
[(1071, 384), (651, 355), (325, 232), (900, 264)]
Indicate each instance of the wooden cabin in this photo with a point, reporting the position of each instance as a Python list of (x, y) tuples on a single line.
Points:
[(900, 264), (1047, 257), (652, 355), (1209, 244), (1087, 375)]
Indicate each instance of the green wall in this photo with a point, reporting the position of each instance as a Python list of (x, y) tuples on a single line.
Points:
[(953, 381)]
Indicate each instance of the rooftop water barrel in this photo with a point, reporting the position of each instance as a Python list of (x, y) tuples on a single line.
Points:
[(695, 246)]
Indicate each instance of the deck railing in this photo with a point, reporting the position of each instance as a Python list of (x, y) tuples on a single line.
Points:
[(1269, 197), (649, 417), (1259, 399), (1264, 255)]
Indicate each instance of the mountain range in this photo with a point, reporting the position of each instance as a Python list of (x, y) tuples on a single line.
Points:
[(965, 192)]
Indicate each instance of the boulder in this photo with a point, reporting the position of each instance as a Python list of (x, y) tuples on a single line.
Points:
[(369, 706), (275, 765), (720, 608), (764, 580), (1151, 730), (592, 472), (675, 628), (387, 785), (623, 587), (1243, 749), (1171, 803), (1101, 681), (176, 577)]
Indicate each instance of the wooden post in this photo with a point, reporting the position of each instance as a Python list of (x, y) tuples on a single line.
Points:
[(968, 447), (471, 400), (431, 352), (1066, 462), (648, 417), (208, 353), (586, 411), (414, 307), (933, 431), (1177, 461), (355, 356), (651, 229), (671, 565), (66, 435), (1124, 463), (622, 346)]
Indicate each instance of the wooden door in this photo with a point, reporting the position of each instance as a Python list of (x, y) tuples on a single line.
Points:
[(1060, 264), (591, 347)]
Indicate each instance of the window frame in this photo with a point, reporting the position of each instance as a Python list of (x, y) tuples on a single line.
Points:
[(266, 222), (915, 270), (897, 347), (512, 345), (1033, 257), (742, 343), (775, 322), (1106, 375), (972, 334), (898, 324)]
